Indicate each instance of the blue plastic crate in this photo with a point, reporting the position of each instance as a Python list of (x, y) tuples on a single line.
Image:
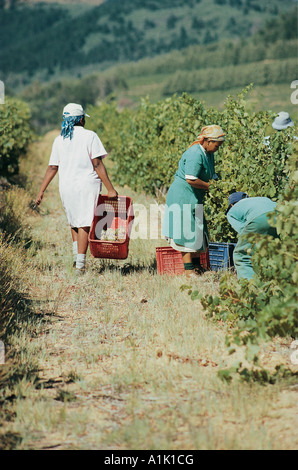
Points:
[(221, 255)]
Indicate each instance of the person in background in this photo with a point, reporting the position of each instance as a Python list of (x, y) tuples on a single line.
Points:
[(184, 225), (77, 153), (248, 215), (281, 122)]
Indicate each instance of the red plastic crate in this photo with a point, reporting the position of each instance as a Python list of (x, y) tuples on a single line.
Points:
[(204, 259), (169, 261), (111, 213)]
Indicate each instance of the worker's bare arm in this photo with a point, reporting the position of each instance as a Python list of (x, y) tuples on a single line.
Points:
[(198, 184), (49, 175), (101, 171)]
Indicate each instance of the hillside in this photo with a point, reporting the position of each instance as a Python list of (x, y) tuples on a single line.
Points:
[(209, 72), (44, 40), (62, 2)]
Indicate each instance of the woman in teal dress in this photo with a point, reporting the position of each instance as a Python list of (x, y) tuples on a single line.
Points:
[(184, 226)]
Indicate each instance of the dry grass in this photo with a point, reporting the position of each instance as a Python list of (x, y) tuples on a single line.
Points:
[(126, 360)]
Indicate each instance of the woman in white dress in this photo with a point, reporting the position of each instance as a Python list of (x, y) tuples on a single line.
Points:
[(77, 153)]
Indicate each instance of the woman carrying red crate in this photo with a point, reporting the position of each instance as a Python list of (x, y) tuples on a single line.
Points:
[(184, 225), (78, 154)]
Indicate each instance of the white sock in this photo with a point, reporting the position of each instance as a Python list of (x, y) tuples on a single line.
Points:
[(75, 250), (81, 261)]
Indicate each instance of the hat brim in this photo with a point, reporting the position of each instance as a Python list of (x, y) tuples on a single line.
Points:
[(280, 128)]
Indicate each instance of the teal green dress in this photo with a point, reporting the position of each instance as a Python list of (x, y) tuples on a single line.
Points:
[(184, 221)]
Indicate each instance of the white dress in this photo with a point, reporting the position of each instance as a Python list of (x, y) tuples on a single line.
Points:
[(79, 184)]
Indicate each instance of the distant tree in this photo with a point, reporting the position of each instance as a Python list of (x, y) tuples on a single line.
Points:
[(13, 4), (208, 37), (284, 27), (148, 24), (104, 28), (171, 21), (235, 3), (50, 71), (152, 5), (232, 25), (197, 23), (232, 22), (183, 39), (273, 9), (257, 7), (116, 18)]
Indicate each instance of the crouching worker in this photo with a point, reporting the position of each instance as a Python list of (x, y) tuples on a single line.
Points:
[(248, 215)]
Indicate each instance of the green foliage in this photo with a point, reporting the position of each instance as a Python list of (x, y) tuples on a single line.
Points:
[(261, 73), (244, 163), (284, 27), (153, 141), (47, 101), (257, 374), (109, 123), (266, 305), (50, 38), (147, 145), (230, 64), (15, 135)]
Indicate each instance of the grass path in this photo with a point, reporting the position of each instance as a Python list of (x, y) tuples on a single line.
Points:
[(125, 360)]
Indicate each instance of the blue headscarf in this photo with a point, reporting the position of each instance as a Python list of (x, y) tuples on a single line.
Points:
[(67, 125)]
